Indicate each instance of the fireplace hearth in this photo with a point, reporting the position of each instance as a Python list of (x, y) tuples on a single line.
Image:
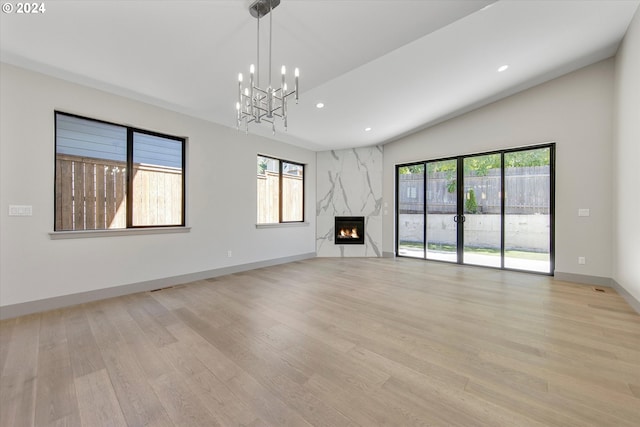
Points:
[(349, 230)]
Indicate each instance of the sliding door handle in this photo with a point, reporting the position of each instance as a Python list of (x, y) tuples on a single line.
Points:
[(459, 218)]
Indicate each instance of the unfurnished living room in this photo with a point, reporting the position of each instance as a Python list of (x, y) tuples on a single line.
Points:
[(320, 213)]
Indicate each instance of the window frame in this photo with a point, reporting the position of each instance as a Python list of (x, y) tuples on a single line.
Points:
[(280, 198), (130, 132)]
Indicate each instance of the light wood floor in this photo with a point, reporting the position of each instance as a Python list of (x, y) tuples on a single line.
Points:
[(331, 342)]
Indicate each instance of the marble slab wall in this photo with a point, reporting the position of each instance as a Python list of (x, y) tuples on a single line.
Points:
[(349, 183)]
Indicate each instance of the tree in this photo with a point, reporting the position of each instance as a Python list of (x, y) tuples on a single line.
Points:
[(262, 166), (411, 169), (470, 205)]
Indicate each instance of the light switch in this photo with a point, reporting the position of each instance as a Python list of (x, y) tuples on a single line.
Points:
[(20, 210), (583, 212)]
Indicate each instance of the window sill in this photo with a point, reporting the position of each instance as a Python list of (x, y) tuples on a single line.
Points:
[(58, 235), (283, 225)]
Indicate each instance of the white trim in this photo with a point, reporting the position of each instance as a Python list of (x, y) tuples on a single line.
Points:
[(283, 225), (21, 309), (583, 279), (81, 234), (634, 303)]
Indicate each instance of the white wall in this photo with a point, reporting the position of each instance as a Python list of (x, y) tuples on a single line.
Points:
[(626, 163), (575, 111), (221, 197)]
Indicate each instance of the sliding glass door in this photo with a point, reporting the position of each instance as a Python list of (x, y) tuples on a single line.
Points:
[(410, 211), (492, 209), (528, 209), (442, 208), (482, 208)]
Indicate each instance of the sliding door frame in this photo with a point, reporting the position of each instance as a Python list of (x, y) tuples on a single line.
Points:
[(460, 204)]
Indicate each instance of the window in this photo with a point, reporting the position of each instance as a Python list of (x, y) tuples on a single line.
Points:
[(113, 177), (280, 191)]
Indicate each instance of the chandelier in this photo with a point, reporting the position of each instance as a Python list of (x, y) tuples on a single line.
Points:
[(263, 105)]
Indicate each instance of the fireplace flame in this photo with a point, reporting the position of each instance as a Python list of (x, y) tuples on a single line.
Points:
[(346, 233)]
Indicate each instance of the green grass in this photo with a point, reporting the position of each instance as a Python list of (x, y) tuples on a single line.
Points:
[(484, 251)]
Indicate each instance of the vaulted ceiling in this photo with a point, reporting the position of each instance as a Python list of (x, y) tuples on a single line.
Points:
[(394, 66)]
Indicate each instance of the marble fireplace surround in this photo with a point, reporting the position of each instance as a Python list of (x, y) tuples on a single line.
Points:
[(349, 183)]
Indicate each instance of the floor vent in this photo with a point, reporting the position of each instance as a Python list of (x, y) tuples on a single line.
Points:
[(168, 287), (161, 289)]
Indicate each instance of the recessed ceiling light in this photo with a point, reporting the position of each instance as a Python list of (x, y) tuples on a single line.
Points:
[(503, 68), (367, 129), (319, 105)]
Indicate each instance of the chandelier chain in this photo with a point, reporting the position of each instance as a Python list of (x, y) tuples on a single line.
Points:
[(270, 38)]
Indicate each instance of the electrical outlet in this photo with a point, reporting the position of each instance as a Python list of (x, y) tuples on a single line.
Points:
[(229, 253), (584, 212), (582, 260)]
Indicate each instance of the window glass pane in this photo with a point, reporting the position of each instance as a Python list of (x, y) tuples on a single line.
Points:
[(442, 188), (157, 150), (88, 138), (527, 222), (411, 210), (268, 190), (292, 192), (91, 184), (482, 210), (157, 180)]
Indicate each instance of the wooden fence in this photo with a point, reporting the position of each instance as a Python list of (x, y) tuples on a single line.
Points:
[(527, 191), (91, 194), (268, 195)]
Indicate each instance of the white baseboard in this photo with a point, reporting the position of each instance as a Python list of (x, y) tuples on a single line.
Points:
[(600, 281), (583, 279), (21, 309), (634, 303)]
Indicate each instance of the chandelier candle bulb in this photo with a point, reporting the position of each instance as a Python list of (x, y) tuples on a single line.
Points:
[(240, 88), (284, 74)]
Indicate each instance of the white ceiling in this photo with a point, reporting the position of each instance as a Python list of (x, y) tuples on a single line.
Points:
[(393, 65)]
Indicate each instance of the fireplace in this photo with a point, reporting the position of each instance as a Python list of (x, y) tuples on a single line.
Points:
[(349, 230)]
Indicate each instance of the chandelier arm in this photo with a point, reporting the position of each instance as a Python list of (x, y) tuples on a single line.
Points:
[(259, 110)]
